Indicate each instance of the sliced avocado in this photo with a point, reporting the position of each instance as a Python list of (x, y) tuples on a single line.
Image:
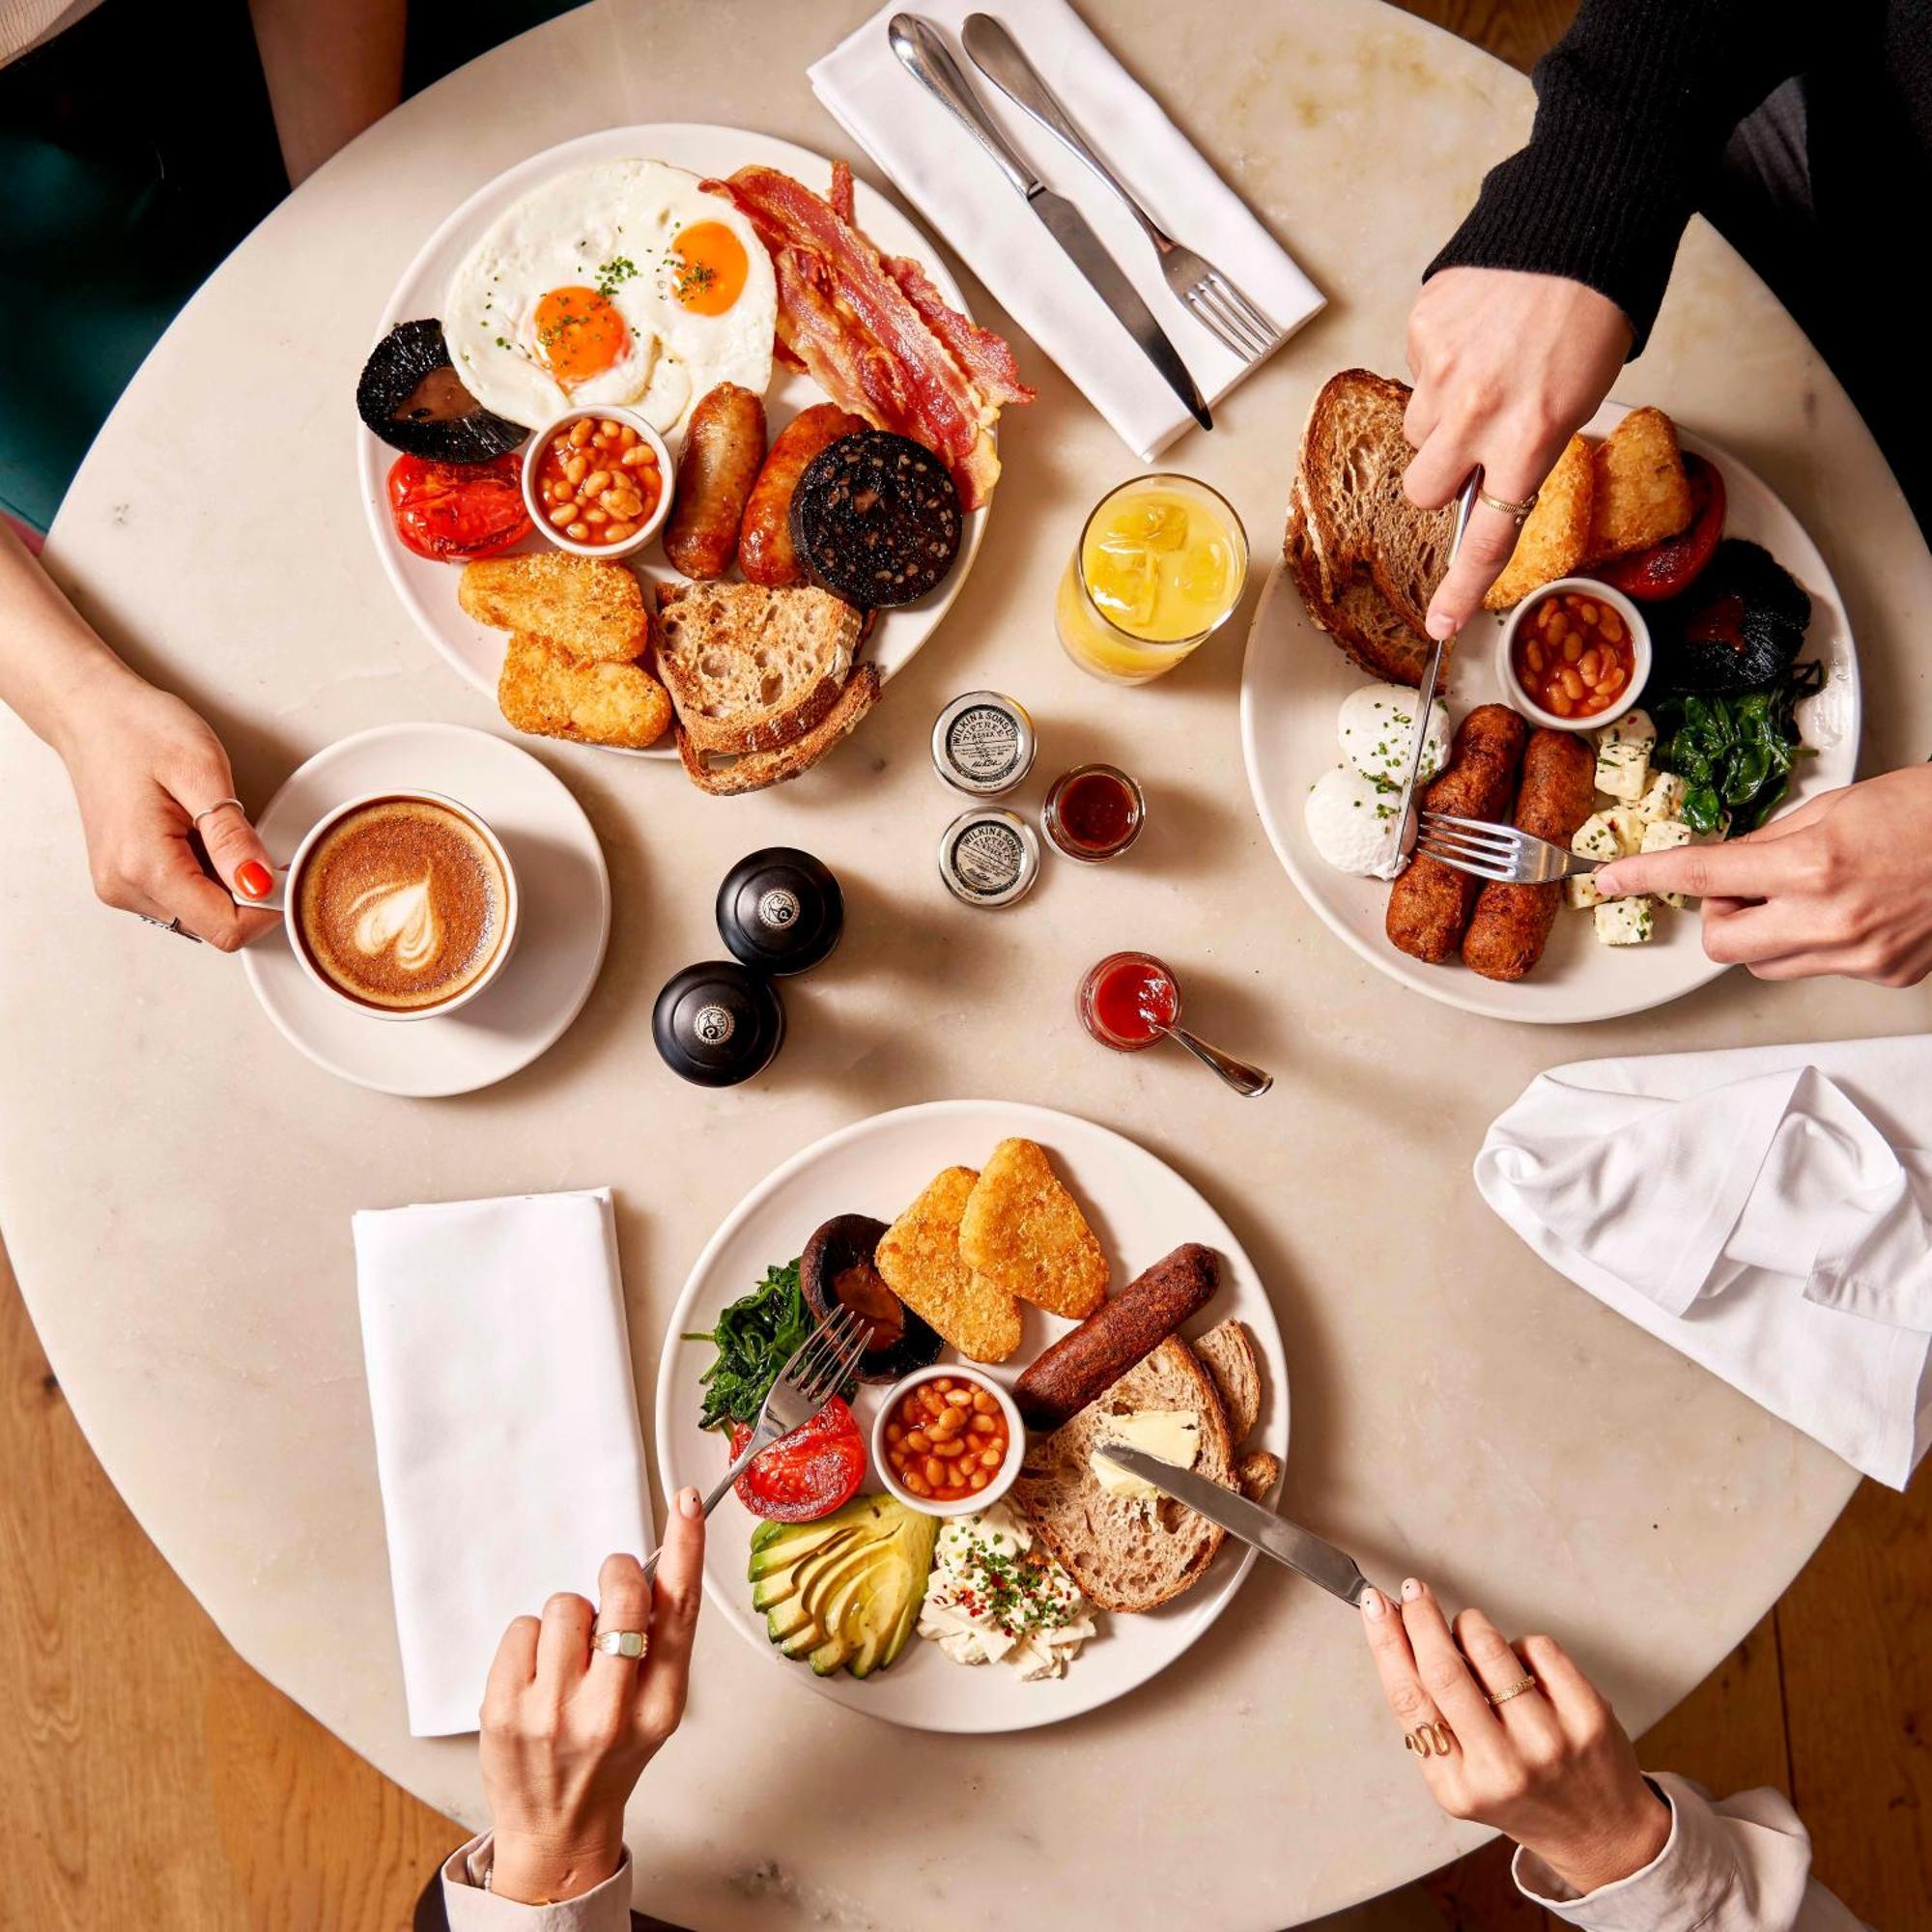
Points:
[(848, 1598), (773, 1545), (787, 1579), (806, 1638), (844, 1591)]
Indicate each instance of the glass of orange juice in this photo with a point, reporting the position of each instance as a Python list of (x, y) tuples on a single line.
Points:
[(1158, 569)]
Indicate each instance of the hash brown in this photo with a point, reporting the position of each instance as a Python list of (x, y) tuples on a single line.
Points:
[(588, 606), (1024, 1231), (542, 689), (1556, 536), (1640, 491), (919, 1256)]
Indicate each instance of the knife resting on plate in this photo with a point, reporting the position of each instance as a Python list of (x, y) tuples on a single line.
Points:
[(1299, 1550), (927, 58)]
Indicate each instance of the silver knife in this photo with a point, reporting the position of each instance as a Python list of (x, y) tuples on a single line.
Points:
[(926, 58), (1466, 502), (1301, 1549)]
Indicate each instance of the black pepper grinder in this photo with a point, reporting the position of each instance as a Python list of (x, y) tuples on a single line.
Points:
[(717, 1023), (780, 910)]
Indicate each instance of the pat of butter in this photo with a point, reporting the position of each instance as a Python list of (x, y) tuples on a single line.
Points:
[(1170, 1434)]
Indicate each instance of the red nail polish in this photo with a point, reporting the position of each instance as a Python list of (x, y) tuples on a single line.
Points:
[(255, 879)]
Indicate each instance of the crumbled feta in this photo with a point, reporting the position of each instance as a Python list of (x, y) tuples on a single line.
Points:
[(1665, 797), (1596, 839)]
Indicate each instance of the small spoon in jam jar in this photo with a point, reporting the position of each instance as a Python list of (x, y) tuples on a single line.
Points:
[(1130, 999)]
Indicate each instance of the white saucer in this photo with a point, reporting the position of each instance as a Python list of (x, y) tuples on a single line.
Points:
[(566, 914)]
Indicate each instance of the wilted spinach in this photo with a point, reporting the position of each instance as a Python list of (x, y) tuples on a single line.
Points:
[(1734, 750)]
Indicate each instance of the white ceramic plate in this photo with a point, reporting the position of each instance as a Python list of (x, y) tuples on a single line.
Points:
[(1139, 1207), (427, 588), (1293, 680), (565, 922)]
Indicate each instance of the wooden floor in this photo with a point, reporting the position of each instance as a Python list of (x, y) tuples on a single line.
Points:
[(150, 1780)]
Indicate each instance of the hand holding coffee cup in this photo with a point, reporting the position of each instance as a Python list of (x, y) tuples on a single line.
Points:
[(404, 904), (152, 783)]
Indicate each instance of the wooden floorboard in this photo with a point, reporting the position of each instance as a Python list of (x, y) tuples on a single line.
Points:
[(153, 1780)]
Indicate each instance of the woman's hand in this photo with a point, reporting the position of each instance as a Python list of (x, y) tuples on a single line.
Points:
[(1550, 1767), (1842, 884), (143, 765), (568, 1730), (1508, 366)]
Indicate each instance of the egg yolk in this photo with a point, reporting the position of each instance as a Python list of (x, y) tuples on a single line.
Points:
[(579, 334), (707, 267)]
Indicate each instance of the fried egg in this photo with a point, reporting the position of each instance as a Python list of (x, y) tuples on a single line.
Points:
[(620, 284)]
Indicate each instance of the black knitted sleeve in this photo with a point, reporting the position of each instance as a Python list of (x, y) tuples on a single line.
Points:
[(1634, 107)]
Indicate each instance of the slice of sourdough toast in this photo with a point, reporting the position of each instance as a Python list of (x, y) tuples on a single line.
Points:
[(1365, 560), (1128, 1553), (752, 668)]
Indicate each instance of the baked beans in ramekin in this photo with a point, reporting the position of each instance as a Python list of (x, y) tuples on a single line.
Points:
[(947, 1441), (598, 482)]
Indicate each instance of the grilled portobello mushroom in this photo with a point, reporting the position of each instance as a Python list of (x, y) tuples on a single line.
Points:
[(410, 395), (836, 1269), (875, 519), (1741, 624)]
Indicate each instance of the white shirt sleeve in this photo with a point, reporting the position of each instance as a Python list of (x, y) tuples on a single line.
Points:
[(1742, 1866), (472, 1908)]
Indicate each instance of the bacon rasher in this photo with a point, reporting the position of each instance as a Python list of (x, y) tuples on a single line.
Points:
[(874, 333)]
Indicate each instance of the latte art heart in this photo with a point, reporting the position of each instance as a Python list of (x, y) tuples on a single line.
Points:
[(400, 905), (398, 919)]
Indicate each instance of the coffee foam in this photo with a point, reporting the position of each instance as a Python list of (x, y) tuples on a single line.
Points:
[(400, 905)]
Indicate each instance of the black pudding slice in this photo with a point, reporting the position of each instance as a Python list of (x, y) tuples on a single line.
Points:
[(1740, 623), (410, 395), (875, 519)]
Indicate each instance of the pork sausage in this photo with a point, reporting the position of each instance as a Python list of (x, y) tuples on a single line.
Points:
[(765, 553), (723, 449), (1511, 925), (1083, 1366), (1428, 905)]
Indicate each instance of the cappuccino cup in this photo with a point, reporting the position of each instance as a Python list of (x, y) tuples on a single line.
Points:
[(403, 905)]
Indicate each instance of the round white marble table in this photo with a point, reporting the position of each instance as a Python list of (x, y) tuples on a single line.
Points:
[(176, 1182)]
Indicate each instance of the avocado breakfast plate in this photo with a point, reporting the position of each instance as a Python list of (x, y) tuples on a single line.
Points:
[(507, 234), (1298, 690), (865, 1568)]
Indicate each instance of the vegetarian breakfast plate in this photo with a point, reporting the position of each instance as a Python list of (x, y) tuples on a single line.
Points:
[(427, 588), (1293, 682), (1138, 1209)]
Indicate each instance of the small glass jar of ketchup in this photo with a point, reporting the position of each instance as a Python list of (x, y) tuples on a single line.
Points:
[(1093, 812), (1127, 999)]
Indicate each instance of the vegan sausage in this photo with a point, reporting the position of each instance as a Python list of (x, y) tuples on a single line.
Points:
[(1511, 925), (1428, 905), (1084, 1365)]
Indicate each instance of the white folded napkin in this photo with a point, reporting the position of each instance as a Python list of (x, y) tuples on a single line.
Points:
[(508, 1441), (938, 166), (1767, 1210)]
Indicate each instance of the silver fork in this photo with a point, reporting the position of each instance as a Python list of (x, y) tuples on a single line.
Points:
[(1501, 852), (1217, 302), (818, 1369)]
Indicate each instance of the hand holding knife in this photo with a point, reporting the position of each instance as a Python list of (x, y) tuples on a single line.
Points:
[(924, 55), (1299, 1550)]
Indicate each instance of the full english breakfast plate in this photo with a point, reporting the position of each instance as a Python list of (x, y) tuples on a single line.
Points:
[(1725, 692), (945, 1545), (625, 286)]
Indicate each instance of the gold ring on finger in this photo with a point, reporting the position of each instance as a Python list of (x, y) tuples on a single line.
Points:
[(1518, 510), (621, 1643), (1432, 1740), (1510, 1690)]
